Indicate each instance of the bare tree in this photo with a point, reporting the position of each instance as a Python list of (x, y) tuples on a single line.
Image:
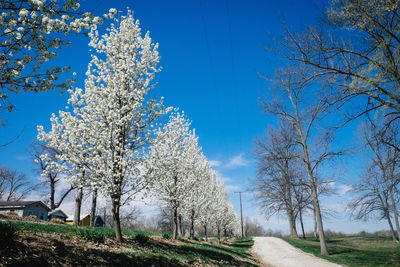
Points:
[(384, 160), (43, 157), (372, 199), (355, 51), (253, 228), (297, 101), (14, 185), (130, 216), (277, 156)]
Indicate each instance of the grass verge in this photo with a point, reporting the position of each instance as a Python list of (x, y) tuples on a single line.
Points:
[(354, 250), (43, 244)]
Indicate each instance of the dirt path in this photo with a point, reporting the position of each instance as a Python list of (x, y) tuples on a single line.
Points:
[(276, 252)]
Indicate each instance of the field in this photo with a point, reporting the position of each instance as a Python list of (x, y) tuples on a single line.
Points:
[(355, 250), (41, 244)]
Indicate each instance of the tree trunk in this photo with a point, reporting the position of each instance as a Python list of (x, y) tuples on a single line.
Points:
[(52, 192), (315, 225), (219, 234), (289, 206), (395, 214), (93, 209), (175, 226), (301, 223), (181, 233), (321, 234), (117, 223), (78, 204), (292, 223), (387, 215), (104, 217), (205, 231), (192, 224)]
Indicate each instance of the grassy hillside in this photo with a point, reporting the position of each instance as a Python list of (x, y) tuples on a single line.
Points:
[(44, 244), (355, 250)]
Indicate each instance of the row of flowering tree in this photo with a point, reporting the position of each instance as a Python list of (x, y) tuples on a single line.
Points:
[(181, 178), (106, 138)]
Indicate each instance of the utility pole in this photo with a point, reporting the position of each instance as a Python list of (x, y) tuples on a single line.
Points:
[(241, 212)]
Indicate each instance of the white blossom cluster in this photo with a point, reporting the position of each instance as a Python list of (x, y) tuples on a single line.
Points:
[(31, 31), (104, 135), (183, 180)]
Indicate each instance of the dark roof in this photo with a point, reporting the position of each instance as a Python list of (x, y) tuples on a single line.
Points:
[(98, 217), (15, 204), (55, 211)]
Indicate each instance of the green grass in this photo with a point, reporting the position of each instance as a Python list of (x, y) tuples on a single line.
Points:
[(71, 229), (354, 250), (235, 254), (36, 243)]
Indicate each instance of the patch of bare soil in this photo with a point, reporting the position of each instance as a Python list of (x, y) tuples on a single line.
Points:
[(59, 249)]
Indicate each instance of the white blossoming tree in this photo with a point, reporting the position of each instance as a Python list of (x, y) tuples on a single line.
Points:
[(205, 214), (195, 203), (230, 221), (109, 128), (171, 164), (31, 32), (221, 212)]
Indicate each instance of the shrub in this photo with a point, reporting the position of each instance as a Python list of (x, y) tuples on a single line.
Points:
[(31, 218), (141, 238), (167, 236), (91, 234), (56, 220), (8, 233), (11, 215)]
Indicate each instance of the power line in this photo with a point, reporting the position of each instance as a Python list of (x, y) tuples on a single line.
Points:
[(235, 87), (212, 69)]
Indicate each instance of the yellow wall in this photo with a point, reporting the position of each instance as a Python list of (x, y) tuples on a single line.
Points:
[(84, 222)]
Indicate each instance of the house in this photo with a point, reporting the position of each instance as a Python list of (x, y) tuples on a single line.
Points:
[(85, 221), (25, 208), (57, 214)]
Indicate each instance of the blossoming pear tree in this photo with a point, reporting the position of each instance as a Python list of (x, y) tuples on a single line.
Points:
[(194, 204), (110, 123), (171, 164), (31, 32), (205, 214), (223, 215)]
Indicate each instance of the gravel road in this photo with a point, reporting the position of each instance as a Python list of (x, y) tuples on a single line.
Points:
[(276, 252)]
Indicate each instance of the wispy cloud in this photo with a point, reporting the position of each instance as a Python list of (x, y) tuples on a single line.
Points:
[(236, 161), (215, 163), (343, 189)]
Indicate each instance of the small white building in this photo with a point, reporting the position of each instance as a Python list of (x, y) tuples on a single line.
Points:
[(25, 208)]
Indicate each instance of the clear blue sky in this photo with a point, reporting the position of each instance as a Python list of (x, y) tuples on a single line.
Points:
[(211, 52)]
